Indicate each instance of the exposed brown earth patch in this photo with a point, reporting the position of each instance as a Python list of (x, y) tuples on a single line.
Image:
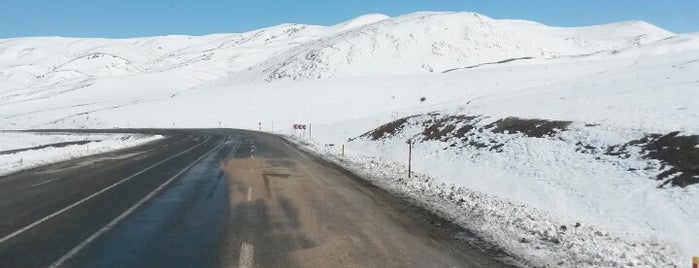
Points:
[(679, 156), (537, 128), (462, 130), (447, 127), (387, 130)]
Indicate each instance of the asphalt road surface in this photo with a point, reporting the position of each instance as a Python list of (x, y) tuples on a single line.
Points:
[(217, 198)]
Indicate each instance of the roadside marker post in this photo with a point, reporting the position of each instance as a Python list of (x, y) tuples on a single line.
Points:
[(410, 157)]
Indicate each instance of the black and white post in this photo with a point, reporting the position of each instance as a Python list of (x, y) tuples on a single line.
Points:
[(410, 157)]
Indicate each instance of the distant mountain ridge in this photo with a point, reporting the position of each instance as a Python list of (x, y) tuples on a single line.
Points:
[(375, 44), (421, 43)]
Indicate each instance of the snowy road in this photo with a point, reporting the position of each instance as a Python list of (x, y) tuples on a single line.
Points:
[(215, 198)]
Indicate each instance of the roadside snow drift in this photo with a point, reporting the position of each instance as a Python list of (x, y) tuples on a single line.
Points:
[(26, 150)]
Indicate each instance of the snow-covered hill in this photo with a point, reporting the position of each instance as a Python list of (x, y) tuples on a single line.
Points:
[(423, 43), (626, 89), (368, 45)]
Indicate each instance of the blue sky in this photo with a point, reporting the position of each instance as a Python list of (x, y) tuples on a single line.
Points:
[(132, 18)]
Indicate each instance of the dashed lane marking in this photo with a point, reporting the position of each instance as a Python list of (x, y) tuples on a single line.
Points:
[(247, 255), (32, 225), (43, 182), (126, 213)]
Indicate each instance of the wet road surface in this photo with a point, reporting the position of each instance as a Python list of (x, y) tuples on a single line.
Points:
[(216, 198)]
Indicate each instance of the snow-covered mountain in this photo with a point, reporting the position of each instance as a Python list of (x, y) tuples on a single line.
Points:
[(63, 78), (422, 43), (369, 45)]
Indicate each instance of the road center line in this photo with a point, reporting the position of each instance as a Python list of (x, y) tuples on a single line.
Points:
[(43, 182), (249, 194), (126, 213), (32, 225), (246, 256)]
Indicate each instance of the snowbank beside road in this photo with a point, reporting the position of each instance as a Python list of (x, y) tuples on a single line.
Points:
[(25, 150), (528, 235)]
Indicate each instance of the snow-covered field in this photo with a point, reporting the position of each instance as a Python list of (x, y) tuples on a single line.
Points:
[(616, 90), (25, 150)]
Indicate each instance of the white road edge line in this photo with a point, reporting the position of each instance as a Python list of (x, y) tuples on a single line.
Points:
[(25, 228), (43, 182), (126, 213), (247, 255), (249, 194), (297, 151)]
